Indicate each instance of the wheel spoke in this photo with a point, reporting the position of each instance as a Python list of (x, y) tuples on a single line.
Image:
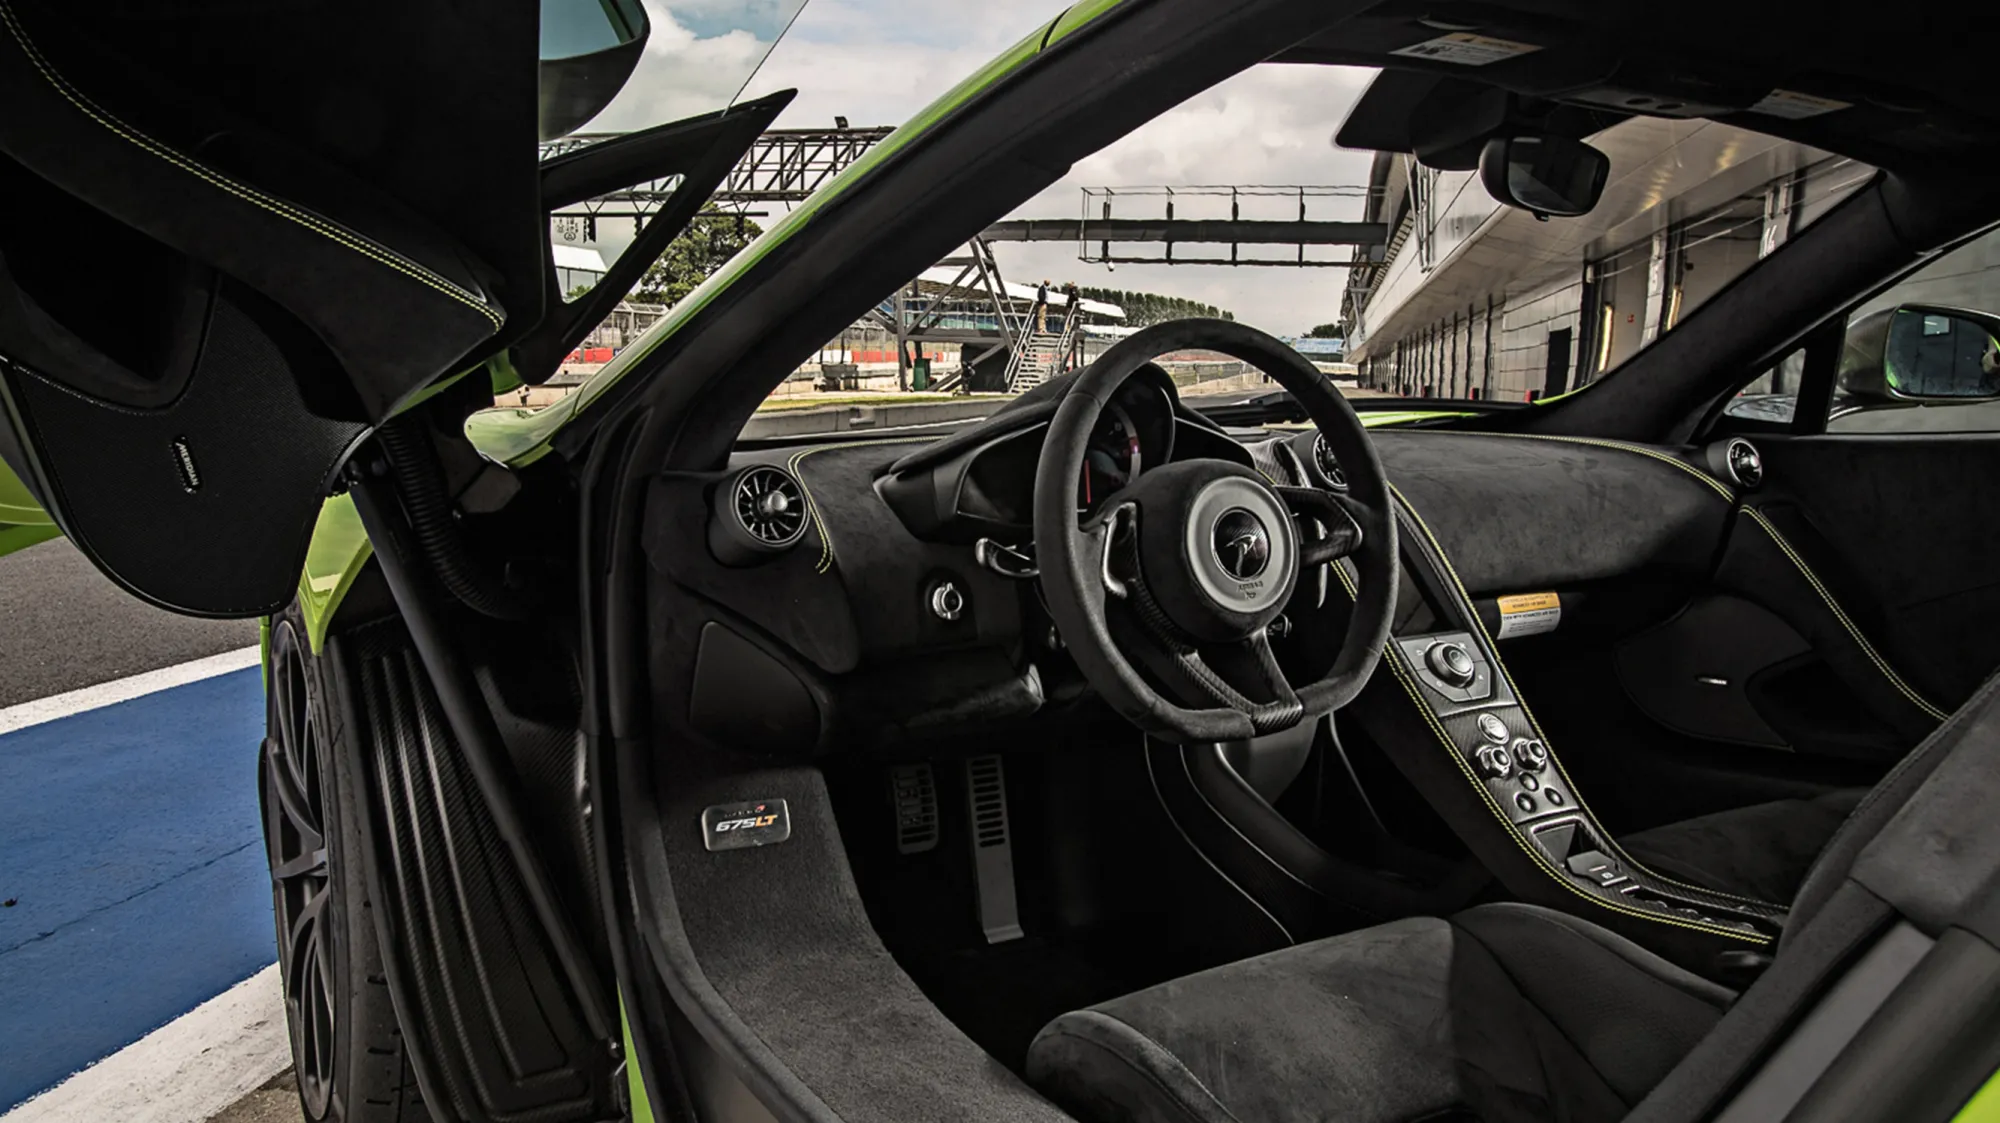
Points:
[(294, 806), (1232, 674), (1330, 523), (312, 861)]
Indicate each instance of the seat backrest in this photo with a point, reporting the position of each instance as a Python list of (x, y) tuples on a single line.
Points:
[(1897, 900)]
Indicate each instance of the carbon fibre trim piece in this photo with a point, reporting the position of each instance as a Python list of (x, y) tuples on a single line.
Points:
[(1642, 895), (479, 982)]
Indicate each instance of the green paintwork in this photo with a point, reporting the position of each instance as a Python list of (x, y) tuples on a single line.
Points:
[(1984, 1106), (517, 437), (23, 523), (339, 549), (635, 1082), (1379, 419)]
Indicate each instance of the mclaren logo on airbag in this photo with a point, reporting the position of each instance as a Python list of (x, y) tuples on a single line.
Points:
[(1242, 544)]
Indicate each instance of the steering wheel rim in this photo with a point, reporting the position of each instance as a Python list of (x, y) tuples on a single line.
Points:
[(1075, 554)]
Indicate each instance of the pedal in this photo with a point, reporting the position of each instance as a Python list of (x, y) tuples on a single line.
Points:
[(992, 849), (913, 791)]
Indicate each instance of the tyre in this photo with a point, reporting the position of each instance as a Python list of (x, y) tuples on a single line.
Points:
[(346, 1046)]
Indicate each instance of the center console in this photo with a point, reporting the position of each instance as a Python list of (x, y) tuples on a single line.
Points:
[(1479, 756)]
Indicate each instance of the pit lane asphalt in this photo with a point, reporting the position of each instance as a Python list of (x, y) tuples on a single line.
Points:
[(130, 856), (64, 625)]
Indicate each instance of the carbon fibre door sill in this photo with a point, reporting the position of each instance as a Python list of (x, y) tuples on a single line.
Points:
[(475, 983)]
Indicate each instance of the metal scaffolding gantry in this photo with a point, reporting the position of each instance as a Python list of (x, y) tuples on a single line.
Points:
[(1296, 216), (783, 166)]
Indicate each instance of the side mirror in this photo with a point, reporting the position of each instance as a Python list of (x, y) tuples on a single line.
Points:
[(589, 49), (1922, 353), (1548, 175)]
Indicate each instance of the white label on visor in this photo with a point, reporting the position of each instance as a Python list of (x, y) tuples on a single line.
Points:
[(1529, 614), (1467, 49)]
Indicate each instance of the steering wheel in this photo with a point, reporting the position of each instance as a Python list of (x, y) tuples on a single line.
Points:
[(1182, 571)]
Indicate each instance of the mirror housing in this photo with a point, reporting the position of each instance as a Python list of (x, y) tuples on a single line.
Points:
[(1922, 353), (589, 50), (1544, 174)]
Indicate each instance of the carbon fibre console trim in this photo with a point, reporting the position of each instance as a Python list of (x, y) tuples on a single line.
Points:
[(1549, 818)]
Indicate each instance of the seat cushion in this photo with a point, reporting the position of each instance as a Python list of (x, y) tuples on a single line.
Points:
[(1762, 851), (1505, 1013)]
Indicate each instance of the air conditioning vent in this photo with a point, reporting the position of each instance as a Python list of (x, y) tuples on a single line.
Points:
[(769, 506), (759, 512), (1745, 463), (1328, 465)]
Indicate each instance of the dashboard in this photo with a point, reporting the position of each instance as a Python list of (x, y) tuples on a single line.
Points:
[(889, 584), (962, 490)]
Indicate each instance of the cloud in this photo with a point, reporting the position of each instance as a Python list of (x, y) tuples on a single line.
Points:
[(879, 61), (685, 72), (1270, 125)]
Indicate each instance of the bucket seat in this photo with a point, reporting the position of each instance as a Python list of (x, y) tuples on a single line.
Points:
[(1511, 1012)]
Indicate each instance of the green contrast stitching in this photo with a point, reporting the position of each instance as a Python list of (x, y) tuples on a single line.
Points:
[(1521, 700), (826, 557), (1860, 640), (276, 206)]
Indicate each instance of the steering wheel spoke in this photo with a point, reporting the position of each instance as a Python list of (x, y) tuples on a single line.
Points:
[(1164, 594), (1337, 518), (1245, 676)]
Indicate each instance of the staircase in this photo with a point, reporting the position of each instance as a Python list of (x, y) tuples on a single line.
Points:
[(1041, 355), (1039, 359)]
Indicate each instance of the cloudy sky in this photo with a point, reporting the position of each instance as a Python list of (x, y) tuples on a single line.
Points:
[(879, 61)]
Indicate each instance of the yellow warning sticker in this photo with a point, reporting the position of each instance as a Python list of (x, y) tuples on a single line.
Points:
[(1529, 614)]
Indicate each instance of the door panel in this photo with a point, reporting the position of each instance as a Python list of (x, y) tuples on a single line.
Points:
[(1904, 531)]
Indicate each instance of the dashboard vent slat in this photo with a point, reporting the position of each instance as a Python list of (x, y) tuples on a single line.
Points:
[(770, 506), (1327, 463)]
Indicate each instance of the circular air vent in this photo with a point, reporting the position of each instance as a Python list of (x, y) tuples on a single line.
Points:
[(1328, 466), (768, 504), (758, 513), (1745, 465)]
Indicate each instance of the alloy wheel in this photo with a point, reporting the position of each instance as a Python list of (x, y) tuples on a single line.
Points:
[(292, 785)]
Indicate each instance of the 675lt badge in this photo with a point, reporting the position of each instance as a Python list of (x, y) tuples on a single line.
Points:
[(738, 826)]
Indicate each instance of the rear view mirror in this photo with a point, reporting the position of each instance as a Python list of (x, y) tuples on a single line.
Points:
[(1548, 175), (1922, 353), (589, 49)]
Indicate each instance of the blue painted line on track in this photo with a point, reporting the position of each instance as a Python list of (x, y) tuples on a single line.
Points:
[(129, 837)]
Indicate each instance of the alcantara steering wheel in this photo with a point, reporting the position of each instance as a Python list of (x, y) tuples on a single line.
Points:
[(1182, 571)]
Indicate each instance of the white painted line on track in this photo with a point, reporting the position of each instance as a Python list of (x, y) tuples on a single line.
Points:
[(184, 1072), (125, 689)]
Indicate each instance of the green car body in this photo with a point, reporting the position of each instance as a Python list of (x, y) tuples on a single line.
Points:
[(518, 437)]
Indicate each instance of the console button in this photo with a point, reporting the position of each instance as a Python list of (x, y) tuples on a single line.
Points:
[(1555, 797), (1452, 663), (1494, 761), (1528, 781), (1525, 802), (1596, 866), (1531, 754), (1493, 729)]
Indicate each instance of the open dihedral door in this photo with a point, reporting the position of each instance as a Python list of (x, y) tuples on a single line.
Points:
[(235, 241)]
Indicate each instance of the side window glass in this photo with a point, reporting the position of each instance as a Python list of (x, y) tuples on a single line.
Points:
[(1773, 396), (1924, 357)]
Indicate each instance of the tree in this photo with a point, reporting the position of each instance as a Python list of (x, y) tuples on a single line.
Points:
[(710, 240), (1143, 309), (1326, 331)]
